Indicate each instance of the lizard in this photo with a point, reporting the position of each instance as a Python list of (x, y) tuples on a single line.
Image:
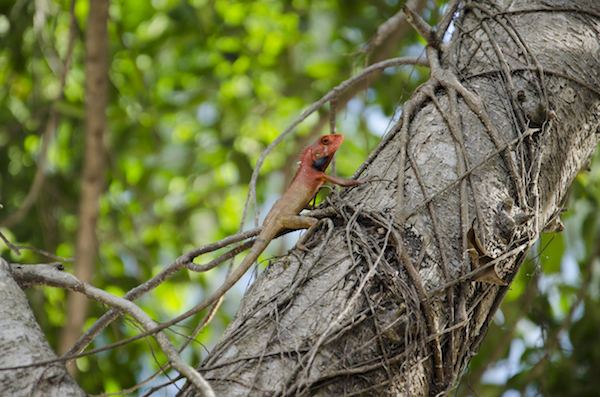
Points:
[(284, 214)]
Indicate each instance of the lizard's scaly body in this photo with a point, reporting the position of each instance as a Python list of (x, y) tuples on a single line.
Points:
[(284, 213)]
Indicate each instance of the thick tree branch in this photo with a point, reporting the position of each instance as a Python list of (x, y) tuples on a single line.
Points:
[(92, 180), (52, 276)]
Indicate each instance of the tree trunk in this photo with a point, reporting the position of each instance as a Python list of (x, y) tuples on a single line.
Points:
[(92, 181), (404, 278), (23, 343)]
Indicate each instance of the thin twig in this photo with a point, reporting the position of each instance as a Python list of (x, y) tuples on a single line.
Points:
[(47, 254), (423, 28), (447, 19), (363, 74), (183, 261), (14, 248)]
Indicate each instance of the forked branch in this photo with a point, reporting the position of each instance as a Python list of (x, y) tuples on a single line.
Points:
[(51, 275)]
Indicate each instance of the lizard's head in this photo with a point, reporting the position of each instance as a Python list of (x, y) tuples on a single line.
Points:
[(320, 153)]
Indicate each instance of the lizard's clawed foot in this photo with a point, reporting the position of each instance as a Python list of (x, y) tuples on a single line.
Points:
[(302, 247), (304, 238)]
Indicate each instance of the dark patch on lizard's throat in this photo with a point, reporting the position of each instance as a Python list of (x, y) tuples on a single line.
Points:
[(320, 164)]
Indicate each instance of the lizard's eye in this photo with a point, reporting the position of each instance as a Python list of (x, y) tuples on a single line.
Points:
[(325, 141)]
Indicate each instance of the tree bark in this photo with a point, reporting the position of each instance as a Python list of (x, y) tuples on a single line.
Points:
[(386, 302), (23, 343), (92, 181), (395, 297)]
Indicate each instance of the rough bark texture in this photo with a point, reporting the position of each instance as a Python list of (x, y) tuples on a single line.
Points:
[(386, 303), (22, 342), (92, 181)]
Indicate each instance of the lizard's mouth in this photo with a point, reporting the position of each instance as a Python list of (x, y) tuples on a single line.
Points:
[(320, 163)]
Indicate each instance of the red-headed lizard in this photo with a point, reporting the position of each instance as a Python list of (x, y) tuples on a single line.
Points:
[(284, 213)]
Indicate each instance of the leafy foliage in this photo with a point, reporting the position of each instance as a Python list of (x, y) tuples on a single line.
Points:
[(198, 89)]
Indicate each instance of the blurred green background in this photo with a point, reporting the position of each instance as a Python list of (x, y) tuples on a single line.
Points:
[(198, 89)]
